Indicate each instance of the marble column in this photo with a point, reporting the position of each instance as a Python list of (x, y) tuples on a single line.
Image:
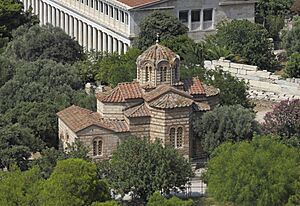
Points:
[(57, 20), (80, 37), (53, 16), (100, 40), (62, 20), (75, 28), (105, 39), (71, 26), (95, 38), (90, 38), (115, 45), (110, 41), (120, 47), (49, 12), (41, 12), (190, 20), (67, 23), (85, 38), (36, 7), (201, 19), (125, 48), (45, 17), (25, 4)]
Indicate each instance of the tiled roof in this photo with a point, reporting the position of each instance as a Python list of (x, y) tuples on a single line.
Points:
[(170, 101), (194, 86), (137, 3), (77, 118), (138, 111), (162, 89), (211, 90), (201, 106), (156, 53), (123, 92)]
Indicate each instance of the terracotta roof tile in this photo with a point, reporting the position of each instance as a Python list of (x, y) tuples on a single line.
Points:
[(138, 111), (211, 90), (77, 118), (194, 86), (137, 3), (170, 101), (123, 92), (201, 106)]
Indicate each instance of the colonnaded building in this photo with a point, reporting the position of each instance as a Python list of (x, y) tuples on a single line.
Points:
[(157, 105), (111, 25)]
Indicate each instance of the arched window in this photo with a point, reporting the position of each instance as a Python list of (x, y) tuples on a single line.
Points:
[(97, 147), (176, 72), (164, 74), (179, 137), (147, 74), (150, 73), (176, 137), (172, 137)]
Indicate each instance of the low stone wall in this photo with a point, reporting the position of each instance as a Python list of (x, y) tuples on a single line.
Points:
[(263, 84)]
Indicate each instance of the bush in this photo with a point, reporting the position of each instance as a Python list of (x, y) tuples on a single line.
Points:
[(158, 200), (292, 68), (263, 172)]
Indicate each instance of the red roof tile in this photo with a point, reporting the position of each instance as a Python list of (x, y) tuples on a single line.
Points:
[(170, 101), (138, 111), (123, 92), (137, 3), (77, 118), (194, 86)]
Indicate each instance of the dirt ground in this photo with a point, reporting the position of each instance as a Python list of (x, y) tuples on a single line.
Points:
[(262, 107)]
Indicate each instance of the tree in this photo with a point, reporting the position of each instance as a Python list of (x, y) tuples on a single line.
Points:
[(141, 168), (161, 23), (20, 188), (12, 16), (247, 40), (44, 42), (107, 203), (296, 7), (226, 123), (292, 68), (158, 200), (74, 182), (16, 145), (262, 172), (290, 39), (7, 69), (284, 121)]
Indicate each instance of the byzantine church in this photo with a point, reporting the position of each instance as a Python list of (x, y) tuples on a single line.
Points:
[(156, 105)]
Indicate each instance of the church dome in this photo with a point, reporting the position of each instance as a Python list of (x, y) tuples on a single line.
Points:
[(158, 65), (157, 53)]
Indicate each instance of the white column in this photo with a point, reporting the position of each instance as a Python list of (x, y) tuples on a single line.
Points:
[(36, 7), (95, 38), (41, 12), (110, 41), (201, 19), (90, 38), (62, 20), (71, 26), (84, 43), (49, 12), (53, 15), (100, 41), (25, 4), (67, 23), (57, 20), (45, 13), (105, 39), (190, 20), (125, 48), (213, 18), (80, 32), (115, 45), (120, 47), (75, 28)]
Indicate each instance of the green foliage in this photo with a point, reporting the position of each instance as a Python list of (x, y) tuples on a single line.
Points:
[(74, 182), (292, 68), (44, 42), (142, 168), (20, 188), (225, 123), (16, 143), (263, 172), (284, 122), (7, 69), (248, 40), (274, 24), (107, 203), (273, 7), (158, 200), (12, 16), (161, 23), (290, 40)]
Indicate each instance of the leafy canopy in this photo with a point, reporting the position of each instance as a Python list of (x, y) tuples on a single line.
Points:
[(158, 200), (292, 68), (157, 22), (142, 168), (290, 39), (262, 172), (226, 123)]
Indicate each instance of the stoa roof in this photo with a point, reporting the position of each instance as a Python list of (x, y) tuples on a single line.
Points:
[(156, 54)]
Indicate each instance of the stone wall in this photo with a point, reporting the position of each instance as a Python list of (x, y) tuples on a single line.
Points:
[(263, 84)]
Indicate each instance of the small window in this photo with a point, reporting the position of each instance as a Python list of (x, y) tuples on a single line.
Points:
[(184, 16), (176, 72), (87, 2), (116, 14), (101, 6), (122, 16), (195, 15), (111, 11), (96, 4), (126, 19), (92, 3), (97, 147), (172, 137), (164, 74), (147, 73), (207, 14), (106, 9), (179, 137)]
